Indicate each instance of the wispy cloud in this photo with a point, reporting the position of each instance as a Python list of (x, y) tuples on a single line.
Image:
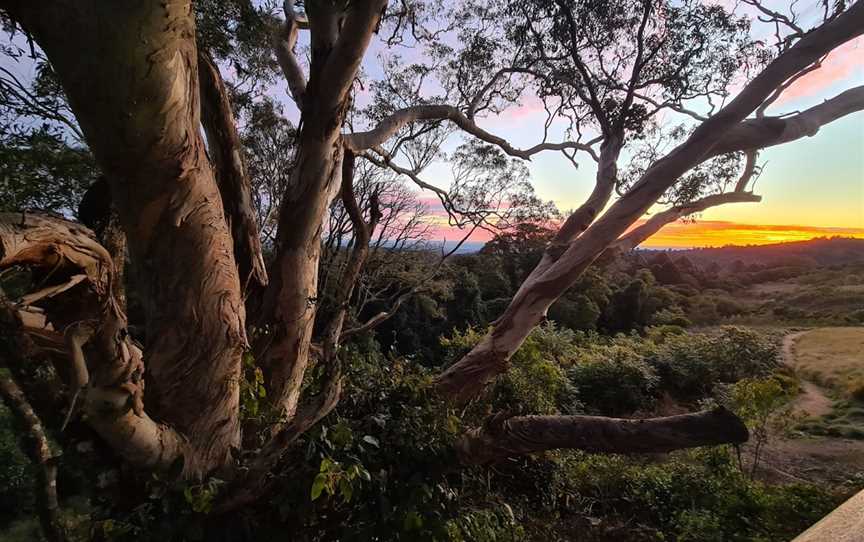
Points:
[(844, 63)]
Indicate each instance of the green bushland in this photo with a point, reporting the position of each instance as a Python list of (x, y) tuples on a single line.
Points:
[(382, 466)]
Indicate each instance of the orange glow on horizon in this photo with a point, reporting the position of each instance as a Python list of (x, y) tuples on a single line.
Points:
[(692, 234), (721, 233)]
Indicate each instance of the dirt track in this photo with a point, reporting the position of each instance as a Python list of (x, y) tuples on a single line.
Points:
[(812, 402), (812, 459)]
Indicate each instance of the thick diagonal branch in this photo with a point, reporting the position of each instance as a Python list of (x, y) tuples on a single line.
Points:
[(490, 357), (522, 435), (765, 132), (643, 232)]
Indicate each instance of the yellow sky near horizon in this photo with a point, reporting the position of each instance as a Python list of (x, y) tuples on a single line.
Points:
[(718, 233)]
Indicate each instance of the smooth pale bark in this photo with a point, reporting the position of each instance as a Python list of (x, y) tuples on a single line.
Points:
[(605, 180), (528, 307), (226, 153), (291, 300), (764, 132), (530, 434), (284, 41), (388, 127), (490, 357), (254, 481), (129, 70)]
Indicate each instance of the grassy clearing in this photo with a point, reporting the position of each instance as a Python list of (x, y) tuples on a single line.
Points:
[(834, 359)]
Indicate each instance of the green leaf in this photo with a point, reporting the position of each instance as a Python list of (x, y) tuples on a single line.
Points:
[(346, 489), (318, 485), (369, 439)]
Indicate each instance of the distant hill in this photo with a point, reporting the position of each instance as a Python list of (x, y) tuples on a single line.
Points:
[(819, 251)]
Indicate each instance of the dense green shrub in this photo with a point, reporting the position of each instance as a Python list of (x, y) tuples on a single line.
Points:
[(614, 380), (690, 365), (696, 496), (536, 382)]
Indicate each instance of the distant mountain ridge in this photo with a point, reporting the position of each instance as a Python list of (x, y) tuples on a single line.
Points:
[(818, 251)]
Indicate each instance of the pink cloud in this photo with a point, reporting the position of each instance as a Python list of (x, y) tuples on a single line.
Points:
[(845, 62), (530, 106)]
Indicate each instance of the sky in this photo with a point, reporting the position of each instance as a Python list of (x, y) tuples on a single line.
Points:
[(810, 188)]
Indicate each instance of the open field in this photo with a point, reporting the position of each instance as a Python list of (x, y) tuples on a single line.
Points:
[(834, 358)]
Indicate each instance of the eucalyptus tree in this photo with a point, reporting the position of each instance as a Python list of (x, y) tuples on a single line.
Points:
[(146, 88)]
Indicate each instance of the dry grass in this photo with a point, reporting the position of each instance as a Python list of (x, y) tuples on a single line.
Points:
[(833, 357)]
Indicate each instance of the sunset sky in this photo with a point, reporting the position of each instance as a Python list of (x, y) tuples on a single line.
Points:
[(812, 187)]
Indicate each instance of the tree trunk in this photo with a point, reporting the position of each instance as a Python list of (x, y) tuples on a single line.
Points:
[(226, 153), (129, 70), (338, 46)]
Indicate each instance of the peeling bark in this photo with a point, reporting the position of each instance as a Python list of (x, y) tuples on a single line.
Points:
[(226, 153), (291, 301), (110, 368), (530, 434), (130, 73)]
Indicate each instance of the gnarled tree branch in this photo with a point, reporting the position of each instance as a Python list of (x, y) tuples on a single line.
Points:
[(499, 439), (643, 232), (361, 141), (113, 369)]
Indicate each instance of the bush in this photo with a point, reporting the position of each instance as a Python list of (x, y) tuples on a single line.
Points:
[(673, 316), (691, 365), (614, 380), (16, 472), (695, 496)]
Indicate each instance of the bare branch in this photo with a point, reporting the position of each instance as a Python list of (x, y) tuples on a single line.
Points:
[(499, 439), (40, 455), (769, 131), (284, 42), (651, 226), (360, 22), (361, 141)]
